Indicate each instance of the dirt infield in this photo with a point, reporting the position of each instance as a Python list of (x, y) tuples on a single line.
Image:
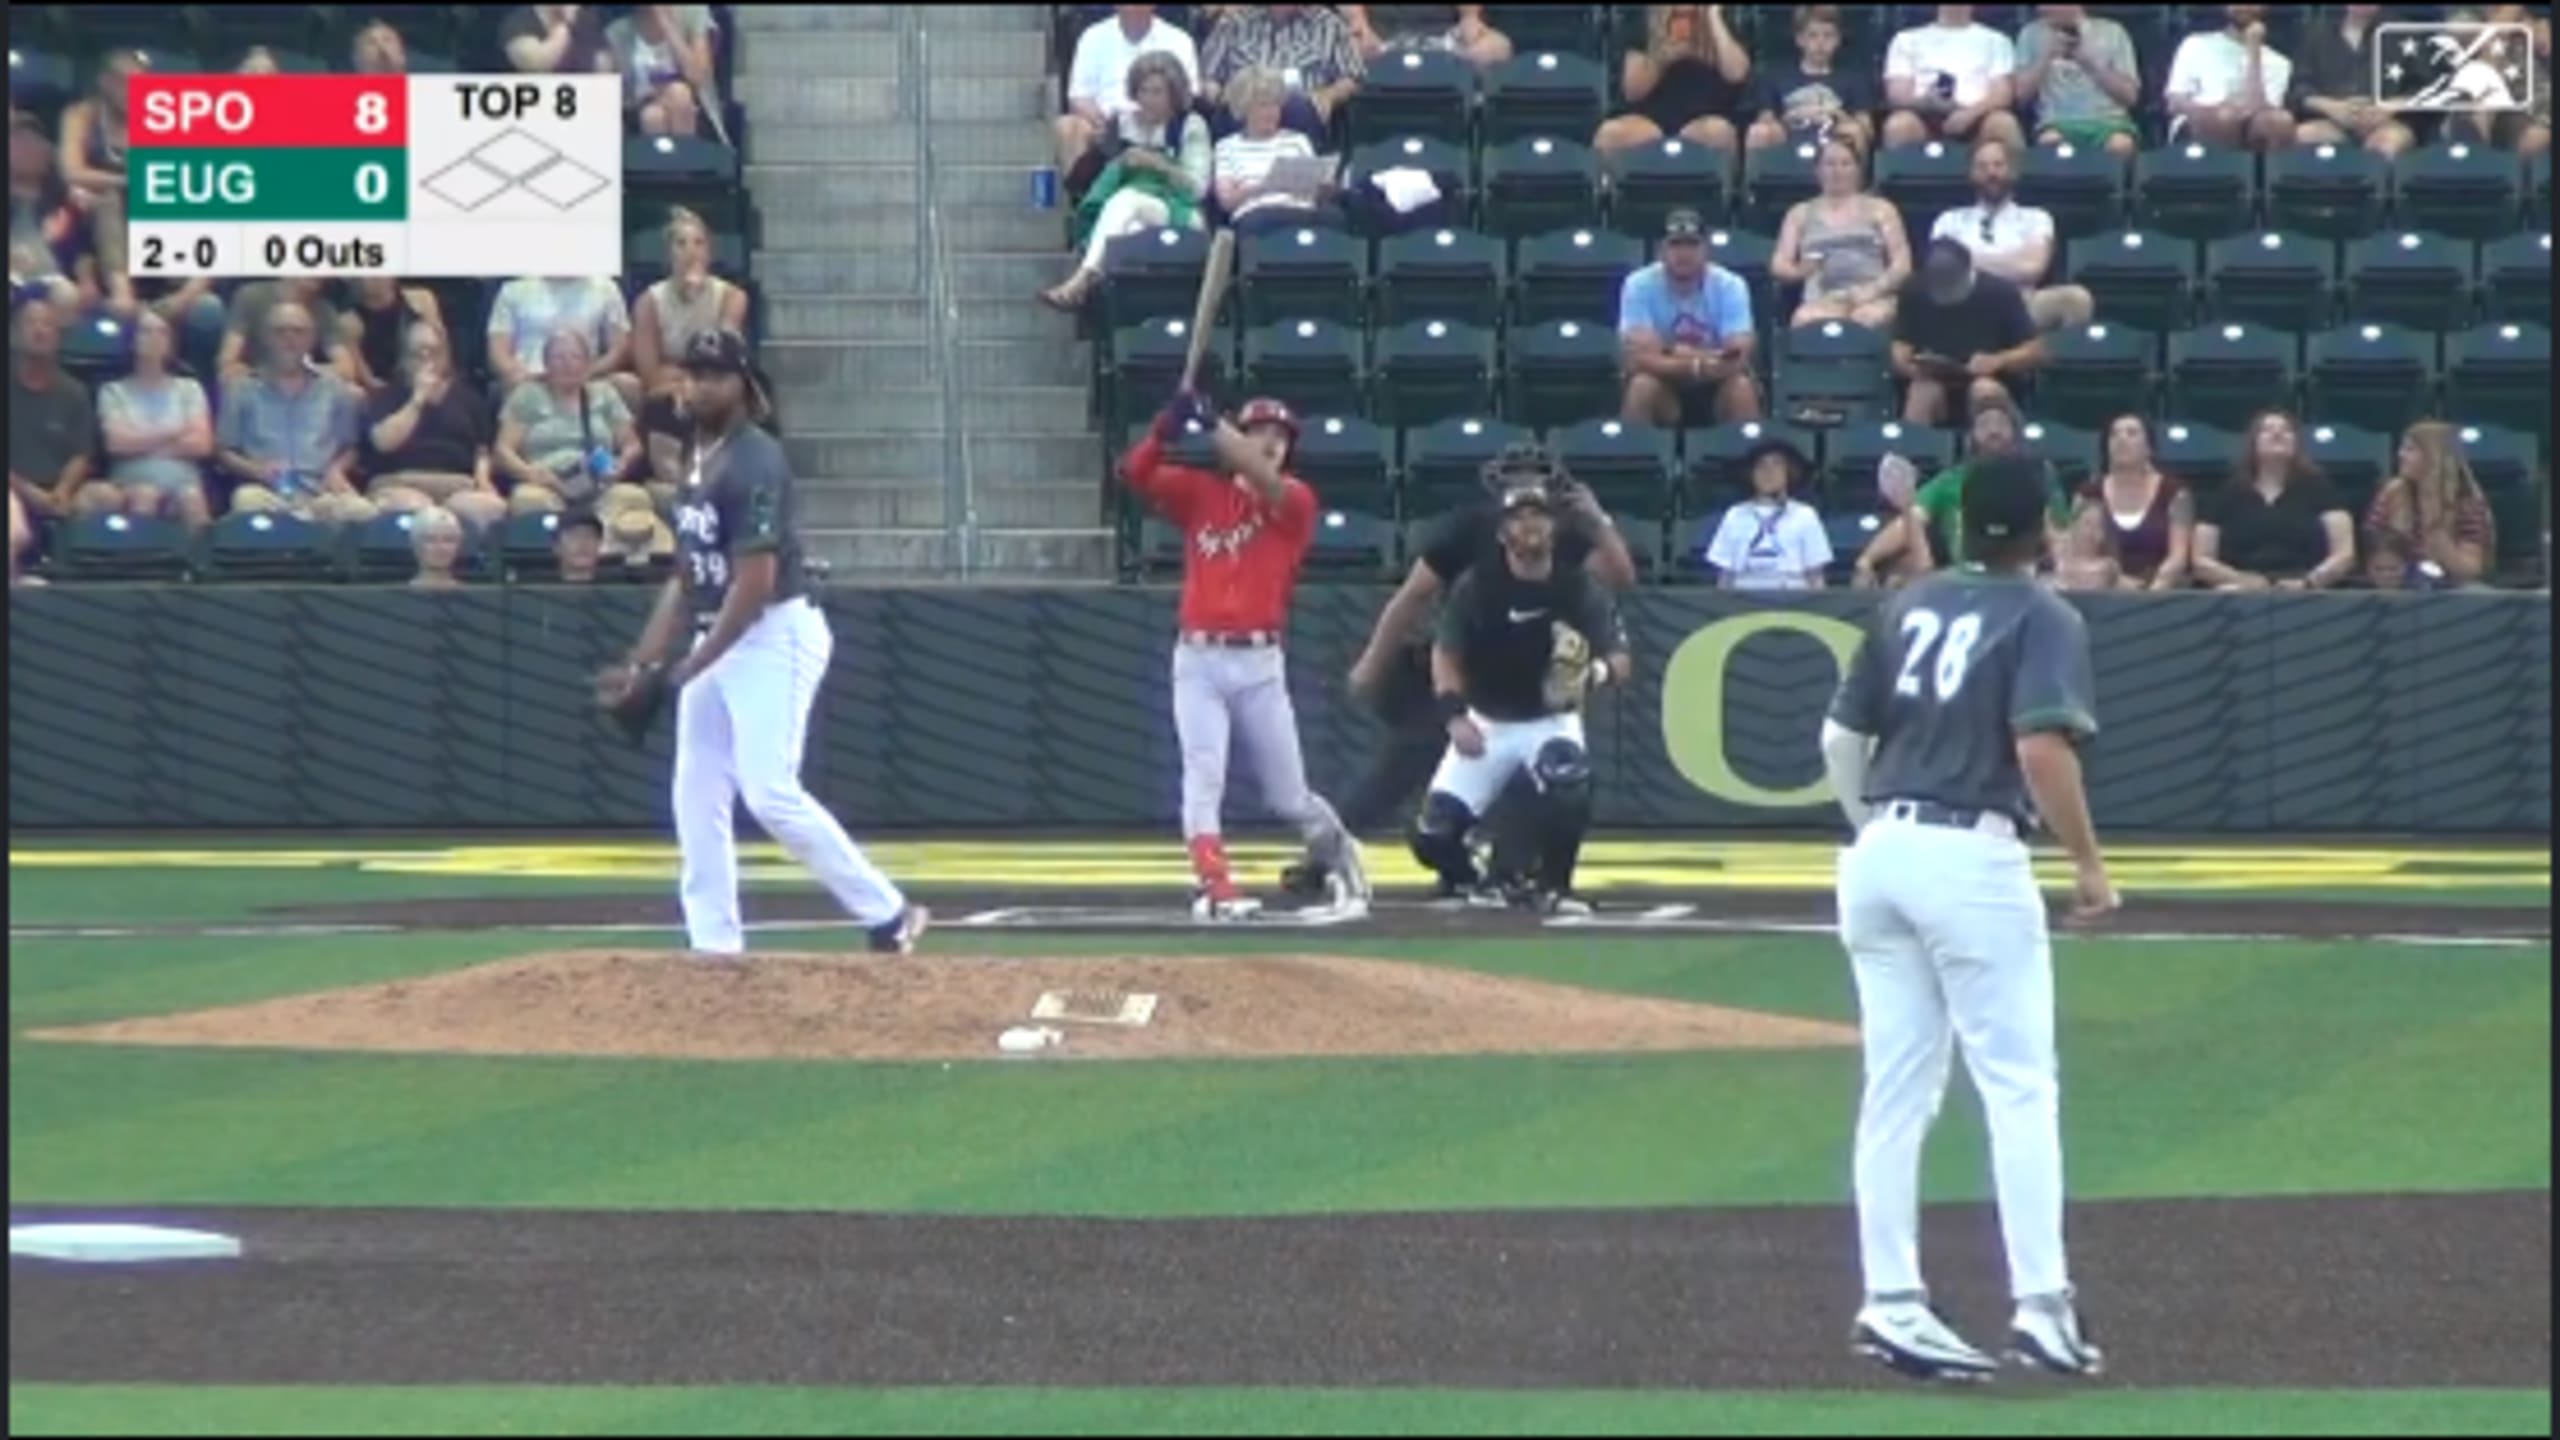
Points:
[(661, 1005), (2332, 1291)]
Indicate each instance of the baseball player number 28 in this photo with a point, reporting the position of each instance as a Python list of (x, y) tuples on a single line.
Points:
[(1924, 627)]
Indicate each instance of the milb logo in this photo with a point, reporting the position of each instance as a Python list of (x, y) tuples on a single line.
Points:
[(2456, 67)]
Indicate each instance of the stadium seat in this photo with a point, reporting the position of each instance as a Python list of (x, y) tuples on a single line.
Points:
[(1414, 92), (2195, 192), (40, 82), (1573, 275), (1444, 462), (2285, 282), (1314, 364), (2095, 372), (2139, 278), (1630, 468), (1924, 181), (1537, 185), (2473, 192), (1775, 179), (2508, 464), (2375, 375), (1562, 372), (1644, 537), (2197, 455), (1352, 544), (668, 168), (121, 547), (1144, 367), (1851, 454), (1347, 461), (1448, 165), (2410, 278), (1431, 370), (96, 348), (2083, 187), (2500, 374), (1568, 29), (1543, 92), (2329, 192), (267, 546), (1714, 477), (1313, 272), (2537, 192), (1440, 275), (1832, 367), (1648, 182), (523, 544), (2223, 374), (2515, 278), (1151, 275), (2074, 453), (1747, 253), (2355, 460)]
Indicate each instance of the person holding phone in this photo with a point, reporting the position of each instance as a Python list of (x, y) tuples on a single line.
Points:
[(1685, 335), (2084, 77), (1960, 337)]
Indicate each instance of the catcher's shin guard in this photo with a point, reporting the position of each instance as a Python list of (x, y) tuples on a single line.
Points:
[(1440, 841), (1562, 772)]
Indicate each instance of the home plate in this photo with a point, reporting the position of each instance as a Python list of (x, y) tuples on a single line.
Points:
[(119, 1244)]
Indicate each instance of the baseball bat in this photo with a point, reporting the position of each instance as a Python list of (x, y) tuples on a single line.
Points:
[(1204, 315)]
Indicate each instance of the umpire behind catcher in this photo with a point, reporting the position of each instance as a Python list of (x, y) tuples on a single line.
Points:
[(1393, 672), (1515, 651)]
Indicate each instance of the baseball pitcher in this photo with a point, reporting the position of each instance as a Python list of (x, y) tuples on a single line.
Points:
[(1246, 528), (744, 688), (1973, 690)]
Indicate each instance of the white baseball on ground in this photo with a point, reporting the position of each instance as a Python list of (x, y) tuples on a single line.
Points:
[(1028, 1039)]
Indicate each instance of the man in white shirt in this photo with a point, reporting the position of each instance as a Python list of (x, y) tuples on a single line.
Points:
[(1098, 78), (2229, 87), (1953, 79), (2013, 241)]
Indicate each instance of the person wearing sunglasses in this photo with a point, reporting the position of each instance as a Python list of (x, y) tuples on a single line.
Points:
[(2013, 241)]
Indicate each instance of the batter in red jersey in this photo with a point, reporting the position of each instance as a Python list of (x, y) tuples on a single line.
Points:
[(1246, 527)]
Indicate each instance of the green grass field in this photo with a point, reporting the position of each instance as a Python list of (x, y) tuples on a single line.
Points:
[(2276, 1067)]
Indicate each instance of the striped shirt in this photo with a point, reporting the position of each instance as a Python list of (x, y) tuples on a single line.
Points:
[(1243, 159)]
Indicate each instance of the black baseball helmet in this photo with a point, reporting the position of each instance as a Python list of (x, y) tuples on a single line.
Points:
[(1525, 465)]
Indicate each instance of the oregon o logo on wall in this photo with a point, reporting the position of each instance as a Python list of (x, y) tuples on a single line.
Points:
[(1693, 703)]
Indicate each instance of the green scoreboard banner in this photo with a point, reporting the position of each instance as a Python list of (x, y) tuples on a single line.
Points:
[(335, 707)]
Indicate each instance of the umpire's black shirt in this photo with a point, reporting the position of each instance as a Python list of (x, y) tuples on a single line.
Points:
[(1503, 630), (1473, 535)]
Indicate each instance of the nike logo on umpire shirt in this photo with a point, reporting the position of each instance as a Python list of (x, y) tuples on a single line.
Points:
[(1523, 617)]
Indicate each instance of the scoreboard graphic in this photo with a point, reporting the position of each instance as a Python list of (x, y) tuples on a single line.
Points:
[(422, 176)]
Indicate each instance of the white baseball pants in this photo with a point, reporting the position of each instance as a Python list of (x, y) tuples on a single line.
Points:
[(1946, 935), (1225, 694), (1509, 746), (740, 728)]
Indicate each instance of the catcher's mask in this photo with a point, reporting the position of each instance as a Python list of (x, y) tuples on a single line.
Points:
[(1263, 410), (1524, 465)]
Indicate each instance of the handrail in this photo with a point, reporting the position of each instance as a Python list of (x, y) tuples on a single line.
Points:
[(960, 490)]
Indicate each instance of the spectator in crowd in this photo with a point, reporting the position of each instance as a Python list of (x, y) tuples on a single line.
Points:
[(426, 436), (194, 313), (374, 327), (1845, 245), (1813, 99), (1952, 78), (2276, 524), (2430, 526), (1930, 531), (244, 343), (556, 40), (1458, 29), (1157, 176), (379, 50), (22, 536), (1308, 46), (567, 438), (2527, 132), (664, 55), (288, 429), (43, 223), (2133, 528), (1241, 170), (529, 311), (1098, 88), (2338, 104), (2013, 241), (2228, 87), (577, 544), (1685, 335), (93, 157), (435, 535), (258, 60), (158, 430), (1686, 81), (1959, 336), (2083, 75), (689, 301), (51, 427), (1772, 541)]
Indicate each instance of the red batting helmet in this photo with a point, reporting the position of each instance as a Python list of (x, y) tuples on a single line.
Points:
[(1263, 410)]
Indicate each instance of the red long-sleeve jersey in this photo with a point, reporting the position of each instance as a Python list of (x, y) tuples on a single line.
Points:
[(1240, 556)]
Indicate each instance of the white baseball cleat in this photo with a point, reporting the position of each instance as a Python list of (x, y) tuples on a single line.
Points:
[(900, 934), (1224, 909), (2045, 1335), (1340, 902), (1910, 1338)]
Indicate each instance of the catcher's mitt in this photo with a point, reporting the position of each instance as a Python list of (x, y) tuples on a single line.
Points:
[(1569, 670), (632, 696)]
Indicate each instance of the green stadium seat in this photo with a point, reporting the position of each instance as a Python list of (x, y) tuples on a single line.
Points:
[(1648, 182), (2515, 278), (2411, 278), (1414, 92), (2355, 460), (1314, 364), (1441, 275), (1160, 548), (1144, 367), (2222, 374), (1714, 477), (2500, 374), (1152, 274), (121, 547), (1540, 184), (1310, 272), (1851, 454), (2144, 279), (1347, 461), (2073, 453), (1924, 181), (1352, 545), (2095, 372), (2470, 191), (96, 347), (1444, 462), (523, 545), (2329, 192), (2197, 455), (1747, 253), (1543, 92), (1573, 274), (2508, 463), (1430, 370), (1775, 179), (1632, 469), (1645, 536), (1832, 368), (1569, 29), (268, 546), (2375, 375), (2084, 187), (2195, 192), (1562, 372), (2285, 282), (1451, 169)]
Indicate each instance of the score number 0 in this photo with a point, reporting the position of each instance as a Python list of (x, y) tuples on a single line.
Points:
[(373, 182)]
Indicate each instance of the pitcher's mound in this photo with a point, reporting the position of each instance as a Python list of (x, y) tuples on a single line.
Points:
[(837, 1007)]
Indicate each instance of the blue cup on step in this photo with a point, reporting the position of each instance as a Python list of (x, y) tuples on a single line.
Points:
[(1044, 188)]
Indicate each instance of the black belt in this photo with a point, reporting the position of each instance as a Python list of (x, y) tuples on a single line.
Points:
[(1948, 817), (1232, 639)]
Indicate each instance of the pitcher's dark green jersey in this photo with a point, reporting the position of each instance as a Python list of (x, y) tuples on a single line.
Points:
[(737, 500)]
